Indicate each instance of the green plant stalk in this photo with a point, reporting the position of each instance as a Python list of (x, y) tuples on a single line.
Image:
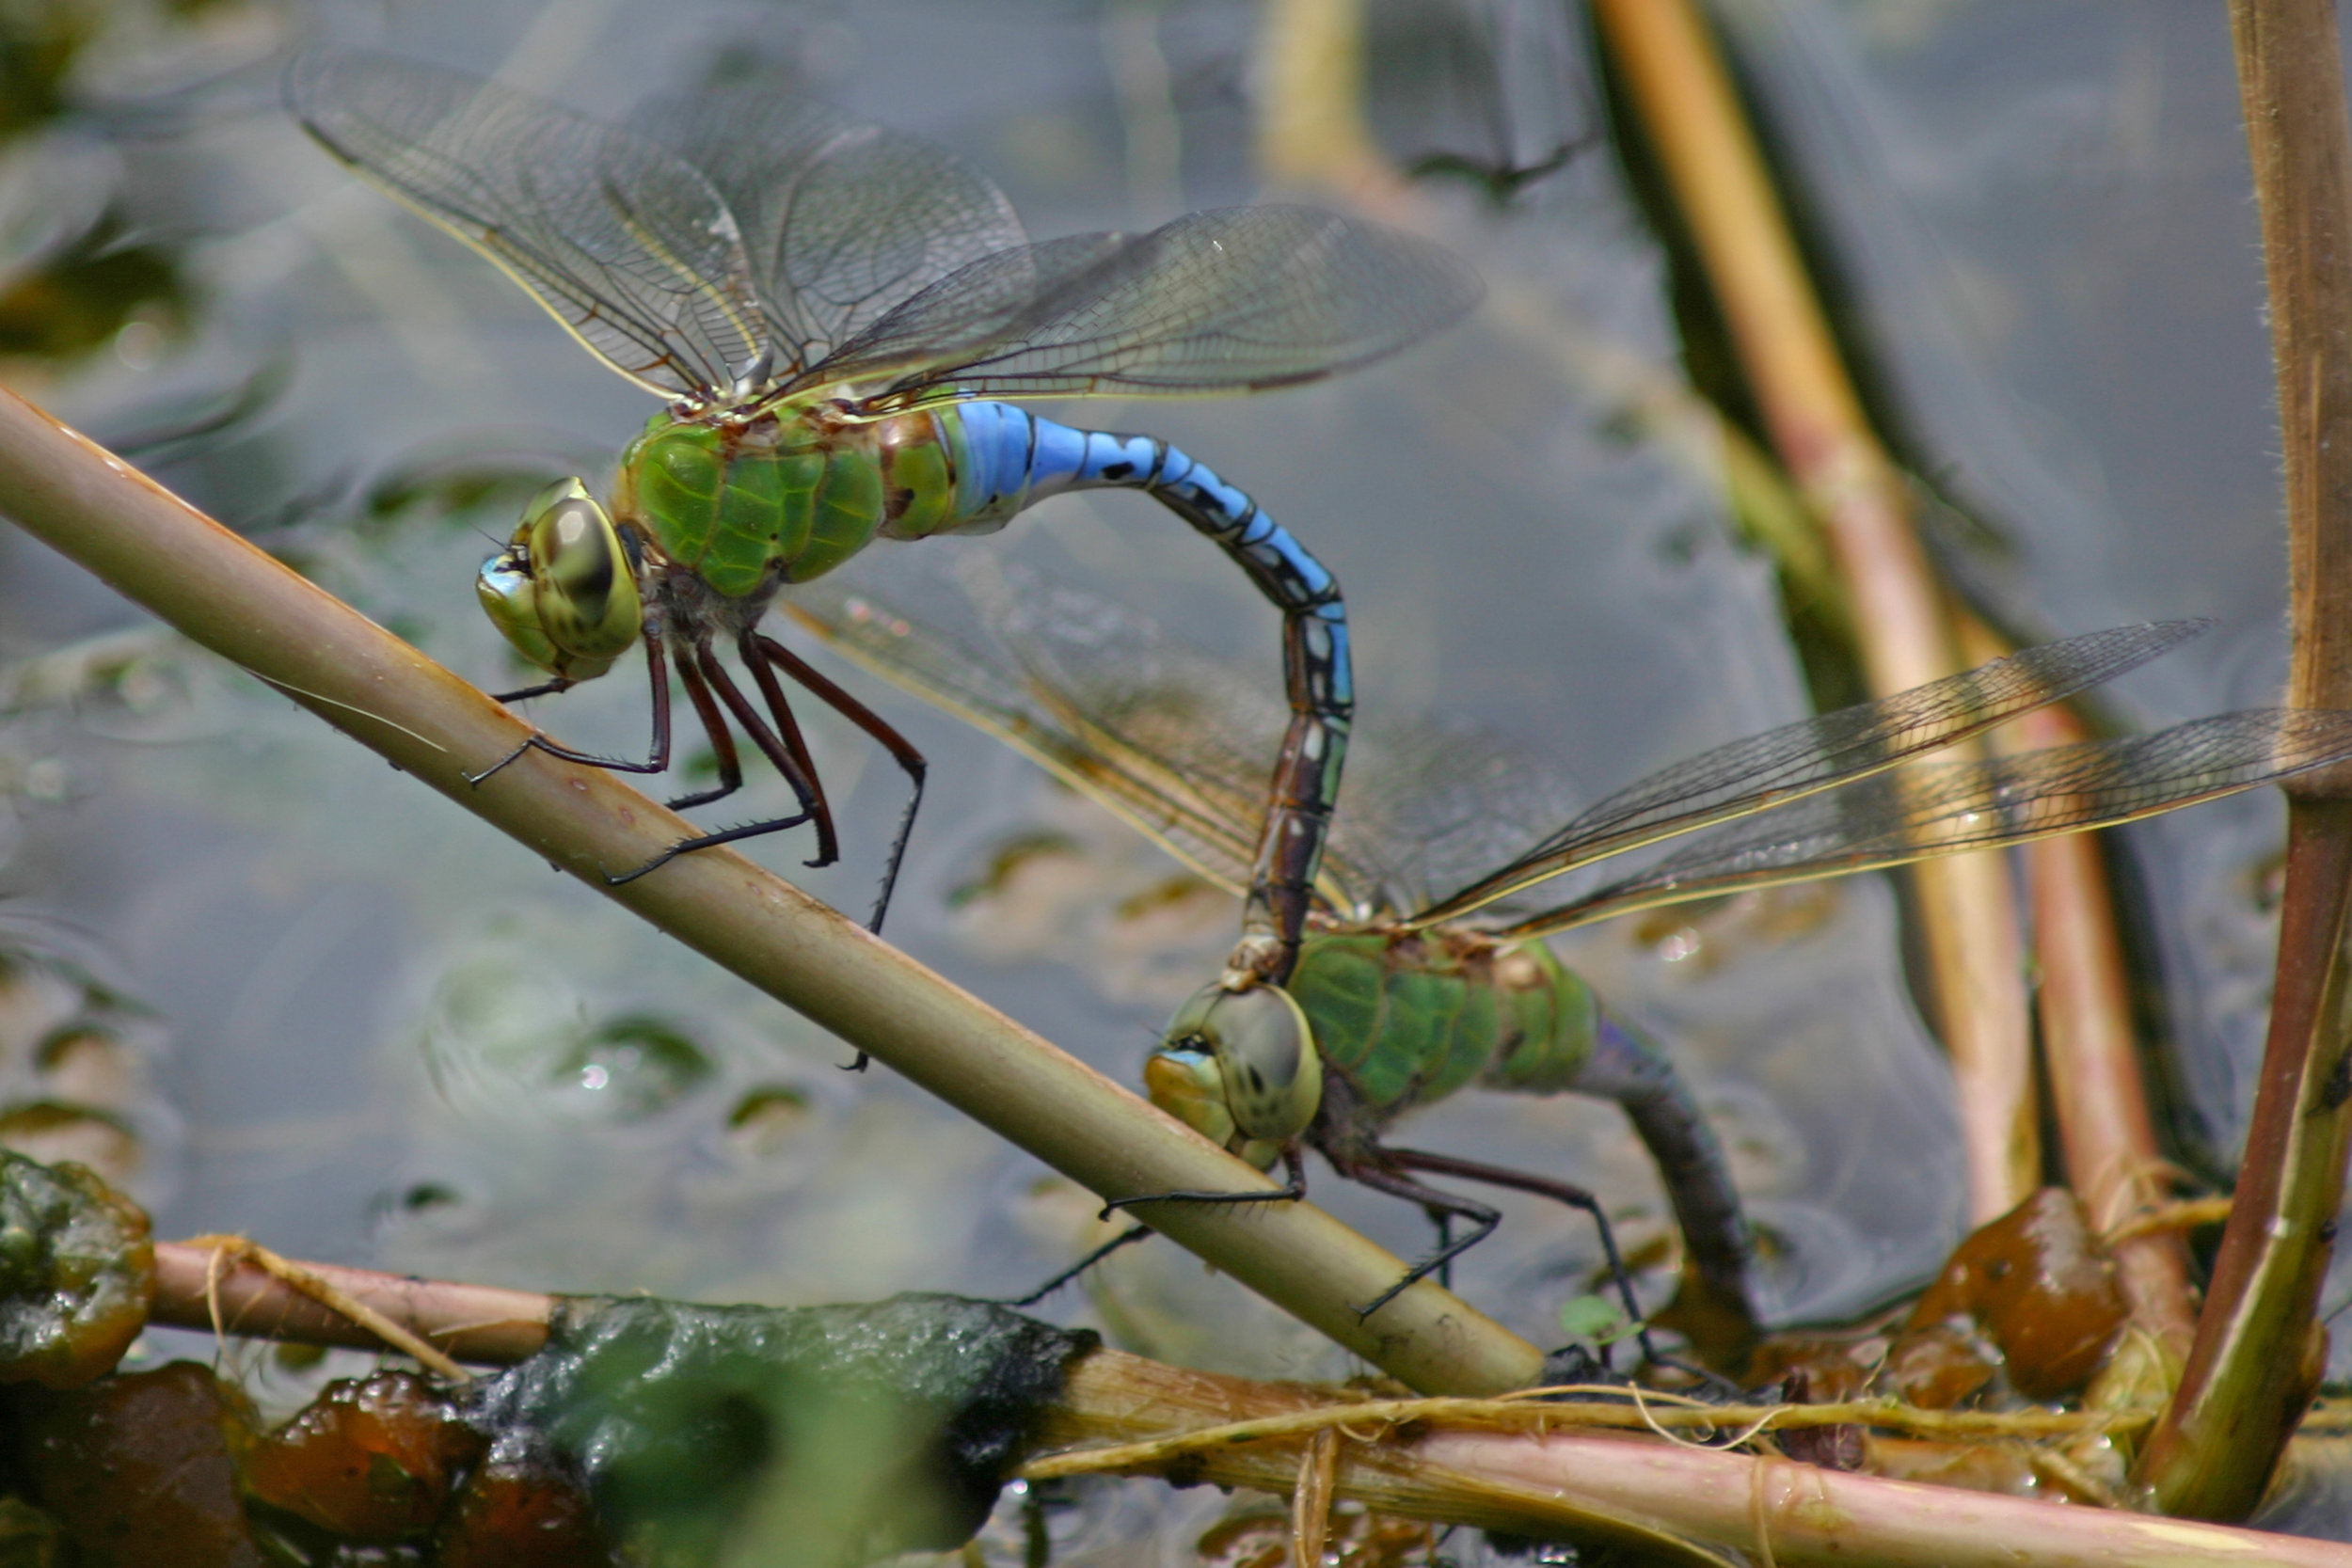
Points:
[(2258, 1349), (231, 598)]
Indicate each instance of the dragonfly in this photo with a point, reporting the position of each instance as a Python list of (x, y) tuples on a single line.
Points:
[(1397, 1003), (834, 314)]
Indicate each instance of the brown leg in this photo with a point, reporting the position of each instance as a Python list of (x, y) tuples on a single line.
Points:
[(758, 652), (700, 675), (714, 725), (1560, 1192), (784, 750), (657, 762)]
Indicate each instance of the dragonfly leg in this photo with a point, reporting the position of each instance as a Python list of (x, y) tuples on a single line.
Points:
[(1128, 1237), (657, 761), (1291, 1191), (782, 747), (911, 761), (1576, 1197), (1379, 1179), (700, 676), (715, 728), (760, 656)]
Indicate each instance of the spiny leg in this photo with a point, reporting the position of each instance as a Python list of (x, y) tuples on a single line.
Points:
[(715, 728), (657, 762), (866, 718), (1291, 1191), (1481, 1218), (757, 654), (700, 677), (1128, 1237), (1560, 1192), (783, 746)]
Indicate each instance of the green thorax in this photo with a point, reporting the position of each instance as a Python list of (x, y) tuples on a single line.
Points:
[(1410, 1018), (786, 497)]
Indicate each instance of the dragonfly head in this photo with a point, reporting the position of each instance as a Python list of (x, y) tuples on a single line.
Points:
[(565, 589), (1239, 1067)]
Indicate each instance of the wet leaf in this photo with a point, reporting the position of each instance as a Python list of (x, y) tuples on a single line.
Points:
[(138, 1469), (77, 1271), (370, 1457)]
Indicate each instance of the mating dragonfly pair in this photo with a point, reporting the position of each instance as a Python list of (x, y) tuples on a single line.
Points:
[(831, 312)]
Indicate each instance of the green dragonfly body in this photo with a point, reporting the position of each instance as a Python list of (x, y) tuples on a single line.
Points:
[(833, 312), (1398, 1001)]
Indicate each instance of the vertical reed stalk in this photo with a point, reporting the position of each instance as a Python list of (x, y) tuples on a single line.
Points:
[(1688, 107), (2257, 1350), (2090, 1052)]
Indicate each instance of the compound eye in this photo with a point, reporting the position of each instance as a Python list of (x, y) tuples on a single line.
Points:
[(588, 602), (1187, 1083), (510, 600), (1266, 1054)]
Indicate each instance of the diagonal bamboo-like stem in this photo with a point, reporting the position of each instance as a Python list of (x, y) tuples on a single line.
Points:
[(1790, 360), (2257, 1350), (233, 599)]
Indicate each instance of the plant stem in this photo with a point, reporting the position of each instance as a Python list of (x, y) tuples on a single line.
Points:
[(2090, 1049), (1676, 1504), (1792, 362), (2259, 1351), (252, 610)]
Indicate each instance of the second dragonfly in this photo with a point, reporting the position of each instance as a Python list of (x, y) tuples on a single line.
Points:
[(1397, 1004)]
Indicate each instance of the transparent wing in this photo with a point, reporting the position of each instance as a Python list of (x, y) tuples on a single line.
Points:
[(623, 240), (1919, 813), (1812, 755), (1197, 818), (1159, 710), (842, 220), (1213, 302), (1181, 758)]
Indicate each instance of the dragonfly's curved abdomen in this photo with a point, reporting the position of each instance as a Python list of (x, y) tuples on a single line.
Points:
[(1410, 1019), (1005, 458)]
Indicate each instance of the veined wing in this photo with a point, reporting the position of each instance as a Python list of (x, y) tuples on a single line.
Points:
[(1213, 302), (1919, 813), (1421, 796), (1812, 755), (843, 220), (1159, 753), (1198, 821), (626, 243)]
